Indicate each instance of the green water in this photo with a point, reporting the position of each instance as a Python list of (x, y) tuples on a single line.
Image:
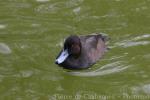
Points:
[(32, 33)]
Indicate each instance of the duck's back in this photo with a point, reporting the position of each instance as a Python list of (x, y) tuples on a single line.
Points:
[(94, 47)]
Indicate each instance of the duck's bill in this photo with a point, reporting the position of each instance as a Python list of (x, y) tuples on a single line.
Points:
[(62, 57)]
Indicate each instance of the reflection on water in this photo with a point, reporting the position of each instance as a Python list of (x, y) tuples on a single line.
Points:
[(145, 36), (4, 49), (26, 74), (2, 26), (141, 89), (56, 7), (131, 43), (104, 70), (134, 41), (42, 0)]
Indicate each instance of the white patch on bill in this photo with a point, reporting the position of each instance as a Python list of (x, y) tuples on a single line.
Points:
[(64, 54)]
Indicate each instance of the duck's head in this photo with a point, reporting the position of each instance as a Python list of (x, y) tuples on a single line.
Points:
[(72, 47)]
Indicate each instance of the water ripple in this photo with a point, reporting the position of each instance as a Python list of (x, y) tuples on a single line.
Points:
[(2, 26), (42, 0), (143, 88), (142, 37), (27, 73), (131, 43), (110, 68), (57, 6), (4, 49), (134, 41)]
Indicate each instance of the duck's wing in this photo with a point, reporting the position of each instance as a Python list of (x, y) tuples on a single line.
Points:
[(91, 41), (93, 47)]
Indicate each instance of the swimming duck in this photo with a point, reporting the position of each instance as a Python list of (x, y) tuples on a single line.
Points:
[(81, 52)]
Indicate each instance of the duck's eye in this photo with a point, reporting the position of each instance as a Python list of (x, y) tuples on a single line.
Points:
[(72, 46)]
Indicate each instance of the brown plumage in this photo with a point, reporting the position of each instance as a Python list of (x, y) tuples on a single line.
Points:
[(83, 51)]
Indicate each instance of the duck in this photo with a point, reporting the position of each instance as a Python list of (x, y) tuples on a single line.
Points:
[(83, 51)]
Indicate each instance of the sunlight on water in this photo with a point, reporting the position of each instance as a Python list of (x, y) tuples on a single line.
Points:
[(145, 36), (27, 73), (42, 0), (53, 8), (135, 41), (61, 43), (141, 89), (2, 26), (77, 10), (131, 44), (4, 49), (146, 88)]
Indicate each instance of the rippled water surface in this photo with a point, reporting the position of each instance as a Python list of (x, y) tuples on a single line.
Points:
[(32, 33)]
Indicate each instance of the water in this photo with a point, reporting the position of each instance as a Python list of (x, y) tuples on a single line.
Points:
[(32, 33)]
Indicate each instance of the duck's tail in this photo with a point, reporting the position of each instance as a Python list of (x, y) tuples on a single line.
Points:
[(104, 37)]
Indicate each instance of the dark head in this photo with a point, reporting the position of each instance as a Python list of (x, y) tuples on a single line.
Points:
[(72, 47)]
